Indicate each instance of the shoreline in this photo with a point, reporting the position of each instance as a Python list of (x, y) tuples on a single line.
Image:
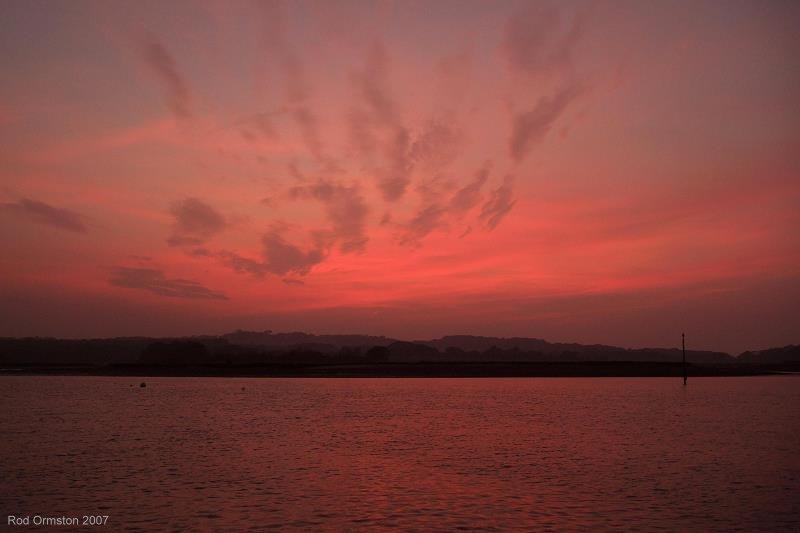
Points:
[(411, 370)]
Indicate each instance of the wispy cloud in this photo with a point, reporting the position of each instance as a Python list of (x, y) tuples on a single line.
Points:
[(346, 210), (259, 126), (396, 175), (498, 205), (176, 90), (468, 196), (422, 223), (42, 213), (297, 101), (375, 125), (539, 40), (442, 209), (307, 121), (530, 127), (437, 144), (154, 281), (539, 44), (374, 86)]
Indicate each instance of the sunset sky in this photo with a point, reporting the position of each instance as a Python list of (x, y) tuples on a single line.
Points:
[(603, 172)]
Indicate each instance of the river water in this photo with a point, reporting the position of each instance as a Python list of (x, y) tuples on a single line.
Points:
[(233, 454)]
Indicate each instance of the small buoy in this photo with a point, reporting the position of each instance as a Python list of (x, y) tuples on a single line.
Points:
[(143, 384)]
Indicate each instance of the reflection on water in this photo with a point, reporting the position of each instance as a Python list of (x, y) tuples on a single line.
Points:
[(206, 453)]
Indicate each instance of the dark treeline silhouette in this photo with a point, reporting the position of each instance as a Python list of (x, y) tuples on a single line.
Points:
[(286, 353)]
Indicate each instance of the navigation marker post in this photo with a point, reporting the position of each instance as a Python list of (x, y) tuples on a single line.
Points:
[(683, 347)]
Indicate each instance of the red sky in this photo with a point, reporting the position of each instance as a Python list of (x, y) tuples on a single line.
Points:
[(610, 172)]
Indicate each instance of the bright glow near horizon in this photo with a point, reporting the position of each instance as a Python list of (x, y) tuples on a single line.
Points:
[(610, 172)]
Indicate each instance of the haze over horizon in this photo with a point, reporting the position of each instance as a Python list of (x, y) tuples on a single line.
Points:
[(600, 173)]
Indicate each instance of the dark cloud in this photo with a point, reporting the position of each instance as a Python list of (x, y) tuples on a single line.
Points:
[(43, 213), (498, 205), (243, 265), (424, 222), (345, 208), (153, 280), (290, 281), (196, 217), (540, 40), (195, 222), (200, 252), (177, 240), (468, 196), (280, 258), (283, 257), (163, 65), (530, 127)]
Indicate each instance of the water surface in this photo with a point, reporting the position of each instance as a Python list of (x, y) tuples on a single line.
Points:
[(231, 454)]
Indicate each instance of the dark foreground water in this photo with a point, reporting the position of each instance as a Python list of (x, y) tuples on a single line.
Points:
[(352, 454)]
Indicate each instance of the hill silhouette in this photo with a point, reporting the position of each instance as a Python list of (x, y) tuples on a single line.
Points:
[(785, 354), (330, 354)]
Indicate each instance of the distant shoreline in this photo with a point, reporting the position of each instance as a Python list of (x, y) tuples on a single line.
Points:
[(410, 370)]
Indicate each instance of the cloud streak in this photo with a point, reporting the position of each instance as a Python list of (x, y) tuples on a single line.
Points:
[(177, 94), (437, 144), (154, 281), (468, 196), (530, 127), (539, 40), (46, 214), (439, 212), (498, 205), (375, 123), (242, 265), (298, 90), (422, 224)]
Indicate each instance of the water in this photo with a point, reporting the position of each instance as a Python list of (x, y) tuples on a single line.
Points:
[(350, 454)]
